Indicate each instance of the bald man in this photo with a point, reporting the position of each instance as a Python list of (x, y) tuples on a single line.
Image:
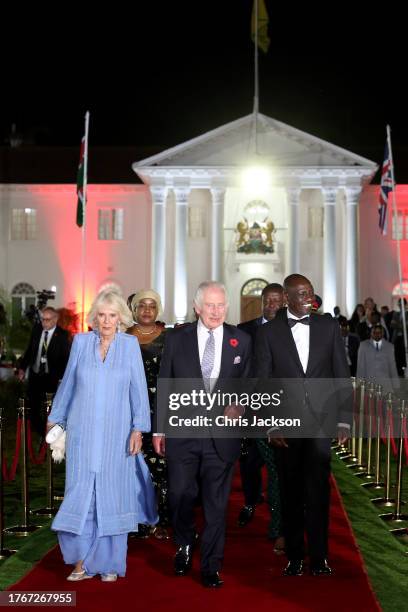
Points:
[(301, 345)]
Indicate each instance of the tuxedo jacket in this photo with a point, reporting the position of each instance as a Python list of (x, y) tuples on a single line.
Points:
[(181, 360), (321, 396), (57, 353)]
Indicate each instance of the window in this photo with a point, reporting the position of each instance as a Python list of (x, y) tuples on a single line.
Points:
[(23, 224), (110, 223), (196, 222), (315, 222), (22, 297), (400, 225)]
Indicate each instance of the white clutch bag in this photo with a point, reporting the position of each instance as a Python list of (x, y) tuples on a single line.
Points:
[(56, 439)]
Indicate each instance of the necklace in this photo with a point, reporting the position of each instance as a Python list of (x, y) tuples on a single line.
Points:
[(139, 331)]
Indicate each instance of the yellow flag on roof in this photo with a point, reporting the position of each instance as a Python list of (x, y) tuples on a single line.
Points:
[(262, 26)]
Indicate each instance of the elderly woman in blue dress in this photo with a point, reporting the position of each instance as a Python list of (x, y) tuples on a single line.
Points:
[(103, 403)]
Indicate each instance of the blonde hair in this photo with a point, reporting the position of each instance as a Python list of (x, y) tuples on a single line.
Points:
[(149, 294), (110, 296)]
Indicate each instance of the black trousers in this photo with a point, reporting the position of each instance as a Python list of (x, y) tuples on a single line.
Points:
[(250, 466), (304, 470), (197, 467), (38, 386)]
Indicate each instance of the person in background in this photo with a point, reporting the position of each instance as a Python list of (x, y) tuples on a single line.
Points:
[(356, 318), (146, 308), (351, 344), (46, 358), (102, 403), (376, 361)]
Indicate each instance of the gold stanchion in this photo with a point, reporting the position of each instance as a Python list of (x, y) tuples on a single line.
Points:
[(377, 483), (397, 516), (357, 461), (386, 501), (344, 450), (4, 552), (50, 510), (25, 528), (369, 474)]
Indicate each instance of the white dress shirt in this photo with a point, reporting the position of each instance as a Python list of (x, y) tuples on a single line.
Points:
[(202, 335), (301, 336), (36, 366)]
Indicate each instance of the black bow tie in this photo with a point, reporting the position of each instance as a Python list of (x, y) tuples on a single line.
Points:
[(292, 322)]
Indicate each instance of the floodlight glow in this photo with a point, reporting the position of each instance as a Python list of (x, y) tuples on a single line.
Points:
[(27, 211), (53, 288), (256, 178)]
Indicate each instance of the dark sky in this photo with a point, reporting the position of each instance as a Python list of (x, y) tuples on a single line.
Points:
[(158, 73)]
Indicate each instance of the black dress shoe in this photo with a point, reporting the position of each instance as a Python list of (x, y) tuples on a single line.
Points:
[(211, 580), (320, 568), (183, 560), (245, 515), (294, 568)]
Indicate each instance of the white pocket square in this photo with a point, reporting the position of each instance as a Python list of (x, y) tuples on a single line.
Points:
[(237, 360)]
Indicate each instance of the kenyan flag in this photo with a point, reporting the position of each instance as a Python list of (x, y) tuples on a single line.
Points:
[(80, 186)]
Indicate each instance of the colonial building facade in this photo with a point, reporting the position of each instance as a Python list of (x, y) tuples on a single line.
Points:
[(247, 203)]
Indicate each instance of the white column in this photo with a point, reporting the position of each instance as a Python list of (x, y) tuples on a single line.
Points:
[(159, 196), (180, 255), (329, 250), (293, 198), (353, 195), (217, 233)]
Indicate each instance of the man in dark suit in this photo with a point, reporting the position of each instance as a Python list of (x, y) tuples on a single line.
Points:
[(46, 357), (251, 461), (207, 350), (302, 346), (351, 344)]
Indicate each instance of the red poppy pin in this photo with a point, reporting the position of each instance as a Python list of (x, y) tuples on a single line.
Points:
[(234, 342)]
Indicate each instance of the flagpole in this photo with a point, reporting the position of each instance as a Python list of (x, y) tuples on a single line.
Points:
[(83, 254), (256, 83), (395, 215)]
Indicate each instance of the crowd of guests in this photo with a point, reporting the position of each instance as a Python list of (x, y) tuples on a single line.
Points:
[(123, 476)]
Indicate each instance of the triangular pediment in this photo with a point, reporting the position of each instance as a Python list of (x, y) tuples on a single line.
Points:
[(234, 144)]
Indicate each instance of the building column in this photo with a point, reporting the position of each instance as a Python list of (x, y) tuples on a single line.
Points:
[(293, 199), (159, 197), (352, 195), (217, 233), (329, 249), (180, 255)]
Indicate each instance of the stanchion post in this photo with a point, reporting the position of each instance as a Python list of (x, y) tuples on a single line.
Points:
[(397, 516), (25, 528), (386, 501), (4, 552), (49, 510), (357, 462), (377, 484)]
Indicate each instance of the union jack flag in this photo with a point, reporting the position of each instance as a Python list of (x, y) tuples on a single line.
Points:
[(385, 188)]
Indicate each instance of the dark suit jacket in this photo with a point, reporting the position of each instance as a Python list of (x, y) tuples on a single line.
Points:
[(251, 328), (57, 353), (316, 389), (353, 345), (181, 360)]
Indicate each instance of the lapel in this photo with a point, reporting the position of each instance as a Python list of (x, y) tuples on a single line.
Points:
[(228, 353), (191, 351), (313, 340), (290, 343)]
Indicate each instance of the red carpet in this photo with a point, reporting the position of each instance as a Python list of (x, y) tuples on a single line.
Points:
[(252, 575)]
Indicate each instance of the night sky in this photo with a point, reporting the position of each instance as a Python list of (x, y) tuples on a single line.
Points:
[(158, 73)]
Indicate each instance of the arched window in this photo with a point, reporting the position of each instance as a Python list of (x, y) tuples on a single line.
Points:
[(23, 296), (251, 298)]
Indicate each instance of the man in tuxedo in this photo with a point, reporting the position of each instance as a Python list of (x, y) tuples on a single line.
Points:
[(46, 357), (251, 461), (207, 350), (301, 346)]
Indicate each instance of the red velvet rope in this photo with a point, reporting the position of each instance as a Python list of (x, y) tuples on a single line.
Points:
[(10, 475), (41, 455), (393, 444), (405, 434), (382, 432)]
